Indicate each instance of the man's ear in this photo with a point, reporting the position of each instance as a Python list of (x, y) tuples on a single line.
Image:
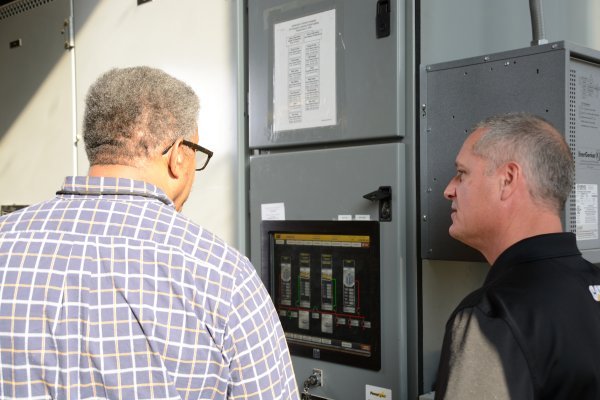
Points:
[(511, 175), (176, 159)]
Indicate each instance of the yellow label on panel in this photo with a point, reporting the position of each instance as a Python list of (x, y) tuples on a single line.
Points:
[(322, 238)]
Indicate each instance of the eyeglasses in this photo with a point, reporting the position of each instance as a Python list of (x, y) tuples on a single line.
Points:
[(203, 155)]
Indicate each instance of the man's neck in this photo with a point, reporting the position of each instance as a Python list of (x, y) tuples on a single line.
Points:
[(149, 173), (117, 171), (523, 227)]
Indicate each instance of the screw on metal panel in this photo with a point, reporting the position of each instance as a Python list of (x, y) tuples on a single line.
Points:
[(425, 217), (506, 64), (554, 46), (428, 68), (486, 58), (429, 190), (430, 251)]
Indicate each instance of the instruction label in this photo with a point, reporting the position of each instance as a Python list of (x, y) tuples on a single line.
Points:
[(272, 211), (587, 211), (304, 72)]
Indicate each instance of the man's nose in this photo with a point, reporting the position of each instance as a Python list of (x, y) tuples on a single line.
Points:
[(450, 191)]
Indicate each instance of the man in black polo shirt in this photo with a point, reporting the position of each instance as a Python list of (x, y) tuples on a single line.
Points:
[(533, 330)]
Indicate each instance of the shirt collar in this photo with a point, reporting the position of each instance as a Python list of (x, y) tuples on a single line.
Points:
[(551, 245), (109, 186)]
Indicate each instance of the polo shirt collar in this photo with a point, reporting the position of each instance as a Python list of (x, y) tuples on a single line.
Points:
[(110, 186), (551, 245)]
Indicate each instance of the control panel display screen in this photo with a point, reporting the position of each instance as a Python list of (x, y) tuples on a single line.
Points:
[(323, 277)]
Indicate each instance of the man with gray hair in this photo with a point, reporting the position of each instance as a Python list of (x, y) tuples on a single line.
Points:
[(532, 330), (107, 291)]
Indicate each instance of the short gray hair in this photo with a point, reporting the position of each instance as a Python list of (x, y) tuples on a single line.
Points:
[(131, 112), (537, 146)]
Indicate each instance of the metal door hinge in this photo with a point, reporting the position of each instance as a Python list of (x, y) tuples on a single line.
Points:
[(67, 31)]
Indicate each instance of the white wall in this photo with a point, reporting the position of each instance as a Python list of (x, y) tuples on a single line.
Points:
[(43, 88), (194, 40), (36, 103), (458, 29)]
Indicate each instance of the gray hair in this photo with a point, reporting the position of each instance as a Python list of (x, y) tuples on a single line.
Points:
[(538, 147), (132, 112)]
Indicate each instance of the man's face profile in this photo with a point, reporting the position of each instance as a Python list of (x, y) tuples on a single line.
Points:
[(473, 194)]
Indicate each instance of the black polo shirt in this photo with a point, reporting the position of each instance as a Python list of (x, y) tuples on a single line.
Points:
[(531, 332)]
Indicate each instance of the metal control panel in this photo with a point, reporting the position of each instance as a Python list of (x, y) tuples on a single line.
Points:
[(327, 185), (323, 71), (326, 110), (558, 81)]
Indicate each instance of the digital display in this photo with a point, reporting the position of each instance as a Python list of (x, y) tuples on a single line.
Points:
[(323, 277)]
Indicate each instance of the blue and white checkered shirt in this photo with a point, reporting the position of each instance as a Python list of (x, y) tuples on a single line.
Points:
[(106, 291)]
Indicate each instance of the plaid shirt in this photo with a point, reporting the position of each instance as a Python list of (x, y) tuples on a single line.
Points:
[(107, 292)]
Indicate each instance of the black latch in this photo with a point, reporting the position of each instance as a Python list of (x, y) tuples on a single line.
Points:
[(384, 196), (382, 20)]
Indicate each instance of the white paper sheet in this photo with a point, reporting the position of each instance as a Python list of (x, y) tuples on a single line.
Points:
[(272, 212), (586, 201), (304, 73)]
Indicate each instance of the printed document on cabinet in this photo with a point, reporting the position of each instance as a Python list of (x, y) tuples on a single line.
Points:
[(304, 87)]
